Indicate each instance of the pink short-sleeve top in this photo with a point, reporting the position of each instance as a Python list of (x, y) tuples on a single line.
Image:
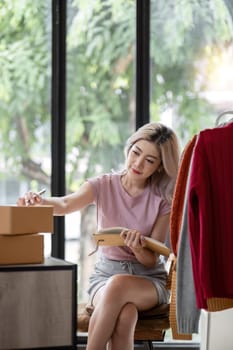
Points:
[(115, 207)]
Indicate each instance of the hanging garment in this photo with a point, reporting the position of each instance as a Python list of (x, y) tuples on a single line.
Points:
[(179, 194), (187, 313), (210, 217)]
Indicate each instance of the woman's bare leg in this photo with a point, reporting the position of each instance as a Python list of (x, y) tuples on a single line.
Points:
[(123, 334), (110, 301)]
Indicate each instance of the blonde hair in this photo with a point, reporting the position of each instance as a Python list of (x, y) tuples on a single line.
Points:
[(167, 144)]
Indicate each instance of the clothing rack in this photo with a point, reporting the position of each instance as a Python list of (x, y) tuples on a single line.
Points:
[(225, 113)]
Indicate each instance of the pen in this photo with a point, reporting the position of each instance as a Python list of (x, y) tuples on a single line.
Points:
[(41, 191)]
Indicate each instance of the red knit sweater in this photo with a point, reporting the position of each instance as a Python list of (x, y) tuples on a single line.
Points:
[(210, 214)]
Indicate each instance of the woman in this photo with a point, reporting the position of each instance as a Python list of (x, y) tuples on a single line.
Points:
[(131, 278)]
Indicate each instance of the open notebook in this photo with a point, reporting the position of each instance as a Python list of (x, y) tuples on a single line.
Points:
[(111, 237)]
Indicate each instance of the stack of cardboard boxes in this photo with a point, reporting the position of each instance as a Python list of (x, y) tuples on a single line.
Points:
[(22, 233)]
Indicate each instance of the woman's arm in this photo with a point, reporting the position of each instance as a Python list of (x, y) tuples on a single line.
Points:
[(62, 205), (161, 228)]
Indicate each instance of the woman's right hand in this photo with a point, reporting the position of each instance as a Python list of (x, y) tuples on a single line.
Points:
[(30, 198)]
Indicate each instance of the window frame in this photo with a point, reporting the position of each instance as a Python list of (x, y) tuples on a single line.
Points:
[(58, 98)]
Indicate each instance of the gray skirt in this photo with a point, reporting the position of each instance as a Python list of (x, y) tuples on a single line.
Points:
[(105, 268)]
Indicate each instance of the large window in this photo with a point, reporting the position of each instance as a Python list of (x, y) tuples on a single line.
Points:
[(25, 70), (191, 63), (100, 107)]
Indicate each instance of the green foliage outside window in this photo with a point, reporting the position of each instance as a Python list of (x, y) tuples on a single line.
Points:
[(185, 36)]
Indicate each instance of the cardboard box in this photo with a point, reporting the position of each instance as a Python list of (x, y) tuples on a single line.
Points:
[(21, 220), (21, 249)]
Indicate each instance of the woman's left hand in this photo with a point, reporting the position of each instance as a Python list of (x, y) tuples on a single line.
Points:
[(133, 239), (136, 242)]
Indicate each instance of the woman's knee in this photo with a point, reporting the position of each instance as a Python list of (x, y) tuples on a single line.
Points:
[(114, 286)]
